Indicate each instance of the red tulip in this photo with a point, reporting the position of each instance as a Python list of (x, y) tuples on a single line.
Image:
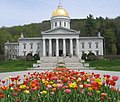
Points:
[(3, 81), (96, 75), (103, 94), (107, 76), (115, 78)]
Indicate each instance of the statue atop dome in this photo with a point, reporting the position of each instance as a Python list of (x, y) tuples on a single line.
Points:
[(60, 3)]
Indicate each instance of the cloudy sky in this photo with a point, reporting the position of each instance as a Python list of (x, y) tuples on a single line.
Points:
[(20, 12)]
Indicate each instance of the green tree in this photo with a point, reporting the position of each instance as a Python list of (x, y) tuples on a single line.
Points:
[(110, 41), (90, 25)]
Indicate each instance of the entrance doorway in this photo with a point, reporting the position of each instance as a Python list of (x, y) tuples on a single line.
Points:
[(60, 52)]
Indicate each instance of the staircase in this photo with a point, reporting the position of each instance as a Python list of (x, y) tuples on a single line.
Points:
[(49, 63), (73, 63)]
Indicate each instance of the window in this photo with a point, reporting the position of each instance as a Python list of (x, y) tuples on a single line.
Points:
[(24, 53), (83, 45), (90, 51), (60, 24), (55, 24), (64, 24), (83, 52), (38, 45), (24, 45), (97, 52), (31, 45), (38, 52), (96, 45), (90, 45), (31, 52)]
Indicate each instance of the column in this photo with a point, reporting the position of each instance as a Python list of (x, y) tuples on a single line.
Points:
[(44, 48), (71, 47), (50, 47), (64, 47), (57, 48), (77, 47)]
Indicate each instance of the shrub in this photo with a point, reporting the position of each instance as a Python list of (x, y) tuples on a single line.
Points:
[(36, 57), (91, 56), (29, 57), (84, 56), (2, 58)]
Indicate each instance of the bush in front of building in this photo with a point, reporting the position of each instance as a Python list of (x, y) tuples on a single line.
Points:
[(36, 57), (2, 57), (84, 56), (91, 56), (29, 57)]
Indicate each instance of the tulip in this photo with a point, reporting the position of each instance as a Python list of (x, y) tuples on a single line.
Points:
[(115, 78), (22, 86), (26, 91), (43, 92), (81, 86), (90, 94), (103, 94), (49, 86), (3, 81), (67, 91)]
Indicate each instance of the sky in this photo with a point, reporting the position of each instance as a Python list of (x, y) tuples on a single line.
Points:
[(21, 12)]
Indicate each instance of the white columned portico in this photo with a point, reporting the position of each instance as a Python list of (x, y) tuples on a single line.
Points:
[(50, 47), (71, 47), (44, 48), (57, 48), (77, 47), (64, 47)]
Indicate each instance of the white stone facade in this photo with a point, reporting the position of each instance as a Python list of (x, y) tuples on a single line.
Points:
[(60, 40)]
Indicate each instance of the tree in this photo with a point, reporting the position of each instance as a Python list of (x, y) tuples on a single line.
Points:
[(36, 57), (84, 56), (29, 57), (91, 56), (90, 25), (110, 41)]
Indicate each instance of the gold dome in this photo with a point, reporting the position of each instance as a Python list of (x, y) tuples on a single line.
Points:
[(60, 12)]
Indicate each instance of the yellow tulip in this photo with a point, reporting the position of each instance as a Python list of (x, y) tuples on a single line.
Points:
[(44, 92), (22, 86), (26, 91)]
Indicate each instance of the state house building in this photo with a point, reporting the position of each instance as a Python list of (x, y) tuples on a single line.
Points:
[(60, 40)]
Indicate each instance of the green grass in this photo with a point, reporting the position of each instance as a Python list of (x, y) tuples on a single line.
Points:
[(15, 65), (113, 65)]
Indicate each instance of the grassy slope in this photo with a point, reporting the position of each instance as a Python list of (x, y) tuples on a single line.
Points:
[(113, 65), (13, 65)]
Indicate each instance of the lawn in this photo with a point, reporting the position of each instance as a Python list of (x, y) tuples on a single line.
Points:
[(15, 65), (108, 65)]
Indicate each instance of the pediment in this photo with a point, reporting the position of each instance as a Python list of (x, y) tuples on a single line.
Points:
[(60, 30)]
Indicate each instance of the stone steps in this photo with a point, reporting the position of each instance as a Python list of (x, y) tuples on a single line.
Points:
[(49, 63)]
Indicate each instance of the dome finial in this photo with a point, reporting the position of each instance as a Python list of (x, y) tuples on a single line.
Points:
[(60, 3)]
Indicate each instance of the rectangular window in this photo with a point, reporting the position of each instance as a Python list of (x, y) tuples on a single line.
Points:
[(83, 45), (64, 24), (90, 45), (24, 53), (31, 52), (97, 52), (96, 45), (83, 52), (38, 45), (55, 24), (90, 51), (31, 45), (60, 24), (24, 45)]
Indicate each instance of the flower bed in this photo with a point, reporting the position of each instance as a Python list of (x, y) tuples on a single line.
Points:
[(60, 85)]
